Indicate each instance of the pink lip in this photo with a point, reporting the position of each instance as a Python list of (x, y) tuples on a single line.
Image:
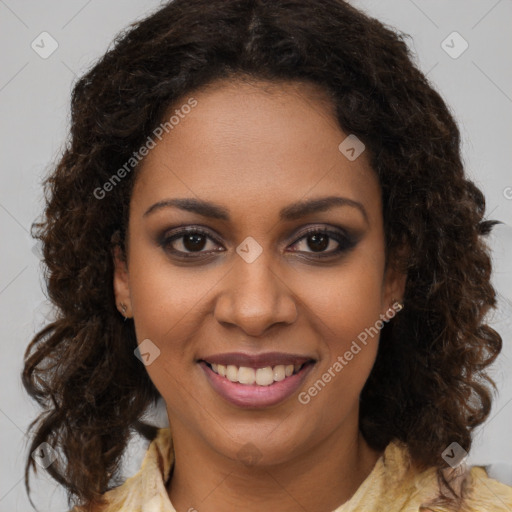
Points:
[(247, 396)]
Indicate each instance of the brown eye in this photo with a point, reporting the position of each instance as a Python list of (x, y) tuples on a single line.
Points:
[(194, 241), (318, 241), (186, 242)]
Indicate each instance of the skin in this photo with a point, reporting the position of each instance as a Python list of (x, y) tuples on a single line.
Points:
[(255, 149)]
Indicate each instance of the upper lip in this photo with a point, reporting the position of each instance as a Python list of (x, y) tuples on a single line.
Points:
[(257, 360)]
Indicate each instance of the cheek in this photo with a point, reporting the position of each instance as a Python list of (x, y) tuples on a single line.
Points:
[(164, 297), (346, 299), (167, 302), (166, 307), (347, 307), (348, 346)]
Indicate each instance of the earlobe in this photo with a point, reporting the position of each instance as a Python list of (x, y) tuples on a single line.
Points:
[(394, 289), (395, 278), (121, 283)]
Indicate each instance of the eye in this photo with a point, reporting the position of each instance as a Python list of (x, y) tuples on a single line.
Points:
[(193, 242), (188, 241), (319, 240)]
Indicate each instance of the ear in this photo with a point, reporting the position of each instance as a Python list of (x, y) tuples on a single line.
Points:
[(393, 286), (121, 283)]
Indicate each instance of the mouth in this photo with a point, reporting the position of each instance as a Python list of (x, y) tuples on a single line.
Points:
[(256, 381), (248, 376)]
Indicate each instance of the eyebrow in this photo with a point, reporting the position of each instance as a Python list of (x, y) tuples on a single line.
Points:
[(291, 212)]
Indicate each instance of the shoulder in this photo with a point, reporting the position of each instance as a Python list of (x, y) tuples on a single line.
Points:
[(403, 482), (485, 493), (90, 508), (147, 486), (479, 492)]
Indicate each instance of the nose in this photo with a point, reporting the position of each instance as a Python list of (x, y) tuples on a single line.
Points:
[(255, 297)]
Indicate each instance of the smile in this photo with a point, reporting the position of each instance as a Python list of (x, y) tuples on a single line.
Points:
[(252, 376), (248, 387)]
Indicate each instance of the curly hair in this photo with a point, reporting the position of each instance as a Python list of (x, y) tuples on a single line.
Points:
[(80, 367)]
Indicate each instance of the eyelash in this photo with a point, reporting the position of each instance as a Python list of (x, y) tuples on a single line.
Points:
[(345, 241)]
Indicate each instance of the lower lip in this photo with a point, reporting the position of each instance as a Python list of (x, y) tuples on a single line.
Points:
[(244, 395)]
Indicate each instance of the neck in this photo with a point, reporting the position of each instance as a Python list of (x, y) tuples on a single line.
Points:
[(320, 479)]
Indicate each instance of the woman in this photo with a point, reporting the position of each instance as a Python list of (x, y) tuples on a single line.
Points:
[(252, 193)]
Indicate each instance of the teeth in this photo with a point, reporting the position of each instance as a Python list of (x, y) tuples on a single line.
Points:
[(279, 373), (261, 376), (246, 375), (232, 373), (264, 376)]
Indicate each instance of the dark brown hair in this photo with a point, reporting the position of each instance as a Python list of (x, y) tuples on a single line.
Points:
[(428, 387)]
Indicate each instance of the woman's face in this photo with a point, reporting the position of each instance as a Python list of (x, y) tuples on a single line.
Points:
[(276, 271)]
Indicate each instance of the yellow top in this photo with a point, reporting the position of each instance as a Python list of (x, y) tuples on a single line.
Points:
[(393, 485)]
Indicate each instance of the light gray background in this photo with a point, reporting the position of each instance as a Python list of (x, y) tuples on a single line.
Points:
[(34, 108)]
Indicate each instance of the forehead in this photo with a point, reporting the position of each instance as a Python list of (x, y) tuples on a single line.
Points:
[(253, 144)]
